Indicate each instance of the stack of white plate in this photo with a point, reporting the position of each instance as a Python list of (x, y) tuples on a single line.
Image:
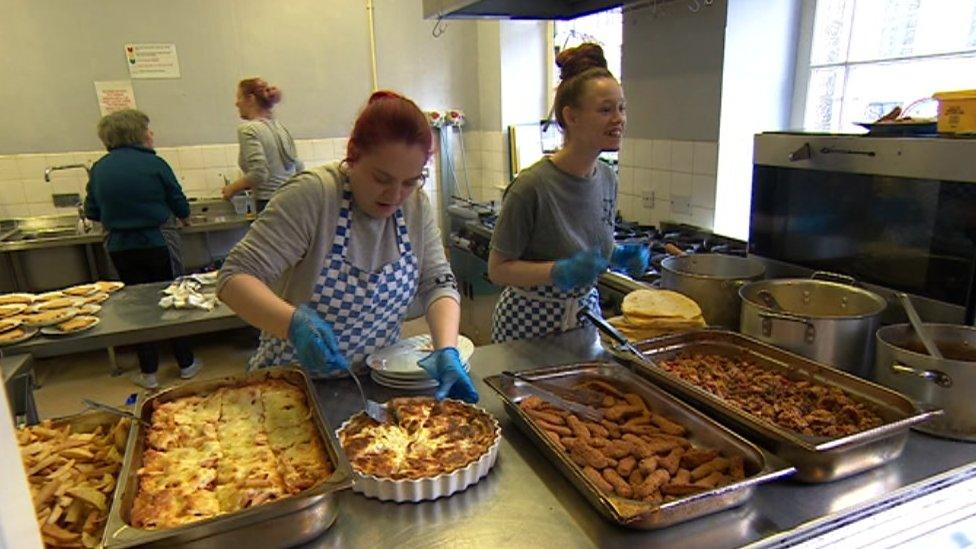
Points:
[(396, 366)]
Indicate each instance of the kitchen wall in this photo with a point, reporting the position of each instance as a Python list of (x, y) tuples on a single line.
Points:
[(317, 52), (698, 86)]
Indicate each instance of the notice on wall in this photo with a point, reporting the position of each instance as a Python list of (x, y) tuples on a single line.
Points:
[(114, 96), (152, 60)]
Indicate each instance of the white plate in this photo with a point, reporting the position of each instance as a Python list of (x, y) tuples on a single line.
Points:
[(400, 359), (28, 333), (54, 331), (407, 385), (89, 309)]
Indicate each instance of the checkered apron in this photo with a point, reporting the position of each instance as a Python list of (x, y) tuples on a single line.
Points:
[(366, 309), (525, 313)]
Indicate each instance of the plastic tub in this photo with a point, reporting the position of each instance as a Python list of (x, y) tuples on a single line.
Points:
[(957, 111)]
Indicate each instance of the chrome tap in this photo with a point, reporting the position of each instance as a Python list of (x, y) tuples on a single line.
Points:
[(49, 169)]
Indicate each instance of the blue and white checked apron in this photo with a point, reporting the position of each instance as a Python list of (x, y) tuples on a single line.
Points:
[(524, 313), (366, 309)]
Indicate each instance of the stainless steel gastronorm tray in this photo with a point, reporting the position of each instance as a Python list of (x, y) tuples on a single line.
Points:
[(760, 466), (281, 523), (817, 459)]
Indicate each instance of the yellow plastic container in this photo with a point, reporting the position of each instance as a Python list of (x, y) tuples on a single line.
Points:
[(957, 111)]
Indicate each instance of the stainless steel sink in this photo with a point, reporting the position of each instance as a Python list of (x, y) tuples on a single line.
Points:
[(42, 234)]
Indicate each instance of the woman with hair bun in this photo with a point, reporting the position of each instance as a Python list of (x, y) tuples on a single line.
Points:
[(356, 243), (555, 233), (267, 152)]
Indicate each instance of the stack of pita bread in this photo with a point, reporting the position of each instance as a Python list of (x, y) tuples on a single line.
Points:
[(653, 313)]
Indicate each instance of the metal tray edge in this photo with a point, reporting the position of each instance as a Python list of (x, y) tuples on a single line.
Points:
[(612, 507), (118, 533)]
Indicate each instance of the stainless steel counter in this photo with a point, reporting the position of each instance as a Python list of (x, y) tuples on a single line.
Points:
[(132, 315), (526, 502)]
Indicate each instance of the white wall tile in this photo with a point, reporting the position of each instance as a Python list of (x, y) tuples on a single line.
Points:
[(661, 154), (230, 154), (706, 158), (305, 149), (214, 178), (93, 156), (626, 180), (171, 157), (65, 186), (31, 166), (642, 181), (194, 180), (322, 148), (703, 191), (661, 183), (191, 158), (8, 169), (42, 208), (643, 153), (338, 148), (681, 184), (628, 148), (682, 156), (702, 217), (15, 210), (37, 190), (213, 156), (12, 192)]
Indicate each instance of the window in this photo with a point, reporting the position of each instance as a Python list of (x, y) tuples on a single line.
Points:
[(605, 28), (869, 56)]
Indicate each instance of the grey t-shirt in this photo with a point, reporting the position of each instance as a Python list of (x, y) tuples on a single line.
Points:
[(267, 155), (292, 239), (549, 214)]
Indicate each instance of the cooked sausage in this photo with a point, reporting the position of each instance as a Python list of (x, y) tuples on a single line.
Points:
[(597, 430), (647, 465), (667, 425), (577, 426), (672, 460), (619, 484), (618, 449), (718, 464), (652, 483), (554, 437), (596, 478), (548, 417), (737, 468), (561, 429), (590, 455), (626, 466), (683, 476), (694, 458), (681, 489)]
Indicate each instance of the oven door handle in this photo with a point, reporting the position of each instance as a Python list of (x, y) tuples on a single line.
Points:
[(832, 150)]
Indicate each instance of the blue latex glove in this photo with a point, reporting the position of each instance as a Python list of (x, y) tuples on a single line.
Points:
[(445, 366), (314, 342), (630, 258), (578, 271)]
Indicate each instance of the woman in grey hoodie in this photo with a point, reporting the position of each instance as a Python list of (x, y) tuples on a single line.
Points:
[(267, 152)]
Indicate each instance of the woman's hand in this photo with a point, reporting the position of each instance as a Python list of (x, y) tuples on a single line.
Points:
[(630, 258), (314, 342), (445, 366), (578, 271)]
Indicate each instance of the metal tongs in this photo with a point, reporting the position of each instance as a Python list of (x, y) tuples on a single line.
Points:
[(586, 314), (92, 405), (548, 392)]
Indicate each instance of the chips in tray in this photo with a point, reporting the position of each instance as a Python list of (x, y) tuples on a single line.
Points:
[(652, 313), (72, 476)]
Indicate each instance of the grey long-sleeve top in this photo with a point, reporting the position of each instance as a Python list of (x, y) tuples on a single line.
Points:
[(267, 155), (292, 239)]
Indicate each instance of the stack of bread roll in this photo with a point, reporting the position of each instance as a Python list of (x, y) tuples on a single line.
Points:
[(652, 313)]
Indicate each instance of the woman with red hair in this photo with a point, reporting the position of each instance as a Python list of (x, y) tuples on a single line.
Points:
[(348, 246), (267, 151)]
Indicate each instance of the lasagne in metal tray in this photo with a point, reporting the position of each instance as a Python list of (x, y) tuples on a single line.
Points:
[(232, 449)]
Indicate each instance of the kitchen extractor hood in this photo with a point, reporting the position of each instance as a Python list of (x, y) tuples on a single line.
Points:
[(515, 9)]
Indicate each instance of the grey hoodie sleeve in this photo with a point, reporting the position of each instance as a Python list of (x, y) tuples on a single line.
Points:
[(253, 161), (281, 236)]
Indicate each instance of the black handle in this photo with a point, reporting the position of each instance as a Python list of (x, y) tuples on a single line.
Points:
[(604, 326), (831, 150)]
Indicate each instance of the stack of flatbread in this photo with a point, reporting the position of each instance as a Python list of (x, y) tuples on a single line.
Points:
[(653, 313)]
